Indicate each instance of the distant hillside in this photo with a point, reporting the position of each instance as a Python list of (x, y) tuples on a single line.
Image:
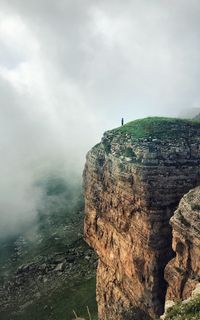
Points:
[(48, 271), (189, 113), (197, 117)]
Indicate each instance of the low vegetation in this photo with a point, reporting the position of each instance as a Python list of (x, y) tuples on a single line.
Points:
[(185, 311), (158, 127)]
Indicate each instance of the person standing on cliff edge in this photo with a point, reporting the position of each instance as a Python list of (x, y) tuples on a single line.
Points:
[(122, 121)]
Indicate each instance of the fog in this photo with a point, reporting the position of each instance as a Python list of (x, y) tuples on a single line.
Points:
[(70, 69)]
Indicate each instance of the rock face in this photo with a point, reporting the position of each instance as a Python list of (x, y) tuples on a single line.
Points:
[(183, 272), (133, 182)]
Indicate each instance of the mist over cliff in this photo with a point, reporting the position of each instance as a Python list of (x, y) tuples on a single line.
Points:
[(70, 70)]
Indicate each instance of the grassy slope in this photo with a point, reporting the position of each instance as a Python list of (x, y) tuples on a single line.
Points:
[(157, 127)]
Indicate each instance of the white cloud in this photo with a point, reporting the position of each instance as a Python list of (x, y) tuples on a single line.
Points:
[(69, 70)]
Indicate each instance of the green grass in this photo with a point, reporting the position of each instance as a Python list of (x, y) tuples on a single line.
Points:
[(158, 127), (185, 311)]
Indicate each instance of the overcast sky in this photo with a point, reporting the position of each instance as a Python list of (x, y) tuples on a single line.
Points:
[(70, 69)]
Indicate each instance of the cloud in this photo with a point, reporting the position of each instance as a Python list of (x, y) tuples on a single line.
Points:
[(70, 70)]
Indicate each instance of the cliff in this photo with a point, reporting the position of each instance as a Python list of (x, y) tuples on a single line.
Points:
[(183, 272), (133, 182)]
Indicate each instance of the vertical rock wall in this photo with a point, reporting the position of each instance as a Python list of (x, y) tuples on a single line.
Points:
[(132, 187), (183, 272)]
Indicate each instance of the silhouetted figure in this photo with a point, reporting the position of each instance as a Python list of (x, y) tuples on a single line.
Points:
[(122, 122)]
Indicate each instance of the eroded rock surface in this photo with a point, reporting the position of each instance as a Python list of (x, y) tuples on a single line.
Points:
[(133, 181), (183, 272)]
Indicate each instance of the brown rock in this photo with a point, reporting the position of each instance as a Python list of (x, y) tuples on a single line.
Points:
[(128, 207), (183, 272)]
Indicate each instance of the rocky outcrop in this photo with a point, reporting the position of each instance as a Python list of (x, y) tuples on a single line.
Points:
[(183, 272), (133, 182)]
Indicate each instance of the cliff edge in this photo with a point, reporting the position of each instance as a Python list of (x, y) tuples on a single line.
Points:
[(134, 180)]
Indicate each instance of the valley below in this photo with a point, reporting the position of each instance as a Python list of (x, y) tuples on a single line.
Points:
[(48, 271)]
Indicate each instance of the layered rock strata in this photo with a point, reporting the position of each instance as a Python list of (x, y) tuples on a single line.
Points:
[(133, 182), (183, 272)]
